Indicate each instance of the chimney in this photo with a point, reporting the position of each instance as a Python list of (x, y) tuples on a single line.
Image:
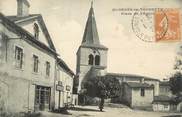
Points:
[(22, 8)]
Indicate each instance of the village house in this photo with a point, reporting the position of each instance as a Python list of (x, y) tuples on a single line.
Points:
[(165, 88), (164, 103), (28, 61), (137, 95), (64, 84), (29, 64), (140, 83), (136, 78)]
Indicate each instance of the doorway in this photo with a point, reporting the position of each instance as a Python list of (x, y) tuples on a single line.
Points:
[(42, 97)]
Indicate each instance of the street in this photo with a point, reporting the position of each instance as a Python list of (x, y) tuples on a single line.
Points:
[(93, 111)]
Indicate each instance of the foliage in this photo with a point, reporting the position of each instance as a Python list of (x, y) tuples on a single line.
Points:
[(175, 83), (177, 65), (102, 87)]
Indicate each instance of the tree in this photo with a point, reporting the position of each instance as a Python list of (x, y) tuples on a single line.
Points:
[(103, 88), (175, 83)]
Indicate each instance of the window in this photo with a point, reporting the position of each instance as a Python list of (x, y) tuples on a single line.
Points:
[(48, 68), (68, 88), (35, 63), (142, 92), (19, 56), (97, 60), (42, 95), (47, 95), (165, 106), (91, 59), (36, 30)]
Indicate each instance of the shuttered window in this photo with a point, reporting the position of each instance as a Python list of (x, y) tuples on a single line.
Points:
[(18, 57), (48, 68), (35, 63), (142, 92)]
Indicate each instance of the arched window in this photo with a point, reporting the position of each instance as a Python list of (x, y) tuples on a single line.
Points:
[(36, 30), (90, 59), (97, 60)]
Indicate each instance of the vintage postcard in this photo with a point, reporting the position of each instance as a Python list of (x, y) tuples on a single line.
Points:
[(95, 58)]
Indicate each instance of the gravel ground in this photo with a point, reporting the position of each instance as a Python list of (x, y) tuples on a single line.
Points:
[(93, 111)]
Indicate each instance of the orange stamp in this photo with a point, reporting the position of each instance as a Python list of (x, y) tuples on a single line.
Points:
[(167, 25)]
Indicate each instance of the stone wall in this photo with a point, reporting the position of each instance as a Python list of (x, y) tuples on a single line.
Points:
[(82, 63), (16, 94), (139, 101)]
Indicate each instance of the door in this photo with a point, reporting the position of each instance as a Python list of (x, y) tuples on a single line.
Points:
[(42, 98)]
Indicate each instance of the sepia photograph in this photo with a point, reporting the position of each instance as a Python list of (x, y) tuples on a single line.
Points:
[(90, 58)]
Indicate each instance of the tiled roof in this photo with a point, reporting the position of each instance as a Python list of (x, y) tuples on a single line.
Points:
[(64, 66), (161, 98), (165, 100), (138, 85), (164, 83), (130, 75), (91, 37), (14, 18)]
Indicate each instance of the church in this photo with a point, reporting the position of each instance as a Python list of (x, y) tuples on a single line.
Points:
[(91, 54), (92, 62)]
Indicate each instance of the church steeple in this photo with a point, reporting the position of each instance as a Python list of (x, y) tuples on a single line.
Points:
[(91, 54), (91, 36)]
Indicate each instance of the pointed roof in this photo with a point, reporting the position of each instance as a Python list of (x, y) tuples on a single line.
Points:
[(91, 37)]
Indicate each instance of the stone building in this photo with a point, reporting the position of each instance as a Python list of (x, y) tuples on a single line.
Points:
[(165, 88), (137, 95), (92, 62), (64, 85), (27, 62), (164, 103), (128, 91), (91, 54)]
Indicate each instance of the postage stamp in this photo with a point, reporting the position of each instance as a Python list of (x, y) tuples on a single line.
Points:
[(157, 25), (167, 25)]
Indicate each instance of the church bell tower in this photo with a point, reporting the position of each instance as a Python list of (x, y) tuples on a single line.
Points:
[(91, 54)]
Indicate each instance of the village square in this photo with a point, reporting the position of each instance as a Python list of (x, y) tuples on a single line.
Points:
[(35, 80)]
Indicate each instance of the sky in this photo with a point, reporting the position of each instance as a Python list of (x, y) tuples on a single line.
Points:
[(66, 19)]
